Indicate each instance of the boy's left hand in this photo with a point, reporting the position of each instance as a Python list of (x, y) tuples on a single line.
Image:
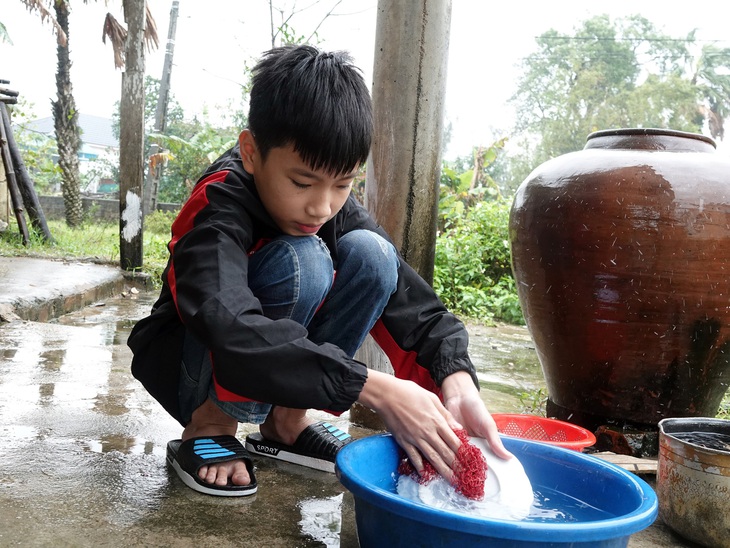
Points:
[(462, 400)]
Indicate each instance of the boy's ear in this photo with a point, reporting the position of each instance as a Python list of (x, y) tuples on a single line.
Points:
[(248, 149)]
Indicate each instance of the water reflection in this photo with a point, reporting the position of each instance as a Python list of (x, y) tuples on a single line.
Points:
[(127, 445), (46, 392), (7, 354), (51, 359), (322, 519)]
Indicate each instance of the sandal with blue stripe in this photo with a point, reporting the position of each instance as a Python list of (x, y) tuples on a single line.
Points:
[(316, 447), (187, 457)]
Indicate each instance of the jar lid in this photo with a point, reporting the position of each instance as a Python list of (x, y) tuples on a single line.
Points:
[(649, 139)]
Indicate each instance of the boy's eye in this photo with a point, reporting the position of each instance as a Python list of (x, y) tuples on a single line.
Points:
[(299, 185)]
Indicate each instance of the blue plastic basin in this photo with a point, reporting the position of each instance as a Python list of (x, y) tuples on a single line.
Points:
[(618, 503)]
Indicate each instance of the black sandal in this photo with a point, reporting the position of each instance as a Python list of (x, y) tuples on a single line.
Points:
[(316, 447), (187, 457)]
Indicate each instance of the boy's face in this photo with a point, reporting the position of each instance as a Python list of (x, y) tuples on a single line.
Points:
[(298, 198)]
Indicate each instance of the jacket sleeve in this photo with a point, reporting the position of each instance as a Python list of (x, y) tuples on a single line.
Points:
[(423, 340), (253, 356)]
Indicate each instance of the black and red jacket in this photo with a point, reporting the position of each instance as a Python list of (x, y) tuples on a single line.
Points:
[(205, 290)]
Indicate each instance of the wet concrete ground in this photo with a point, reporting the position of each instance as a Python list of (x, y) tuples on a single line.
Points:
[(83, 446)]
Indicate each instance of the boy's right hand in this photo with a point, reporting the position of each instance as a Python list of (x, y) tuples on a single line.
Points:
[(415, 417)]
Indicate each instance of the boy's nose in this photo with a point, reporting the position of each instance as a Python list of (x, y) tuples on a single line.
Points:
[(319, 209)]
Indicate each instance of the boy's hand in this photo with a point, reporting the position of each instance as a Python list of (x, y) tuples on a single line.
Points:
[(462, 399), (420, 424)]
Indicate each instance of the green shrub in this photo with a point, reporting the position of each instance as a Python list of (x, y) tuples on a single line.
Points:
[(160, 222), (534, 402), (472, 272)]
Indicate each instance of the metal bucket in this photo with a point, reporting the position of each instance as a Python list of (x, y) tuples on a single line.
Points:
[(693, 479)]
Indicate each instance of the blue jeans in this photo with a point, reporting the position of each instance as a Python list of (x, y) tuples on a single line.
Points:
[(293, 277)]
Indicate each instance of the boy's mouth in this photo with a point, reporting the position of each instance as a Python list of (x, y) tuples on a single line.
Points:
[(308, 229)]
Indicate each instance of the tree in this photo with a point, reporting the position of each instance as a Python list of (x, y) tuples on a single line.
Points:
[(285, 33), (131, 130), (712, 78), (65, 122), (190, 148), (617, 74), (175, 113), (466, 182), (65, 115), (39, 7), (186, 147)]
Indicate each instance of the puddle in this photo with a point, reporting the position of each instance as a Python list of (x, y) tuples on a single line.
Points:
[(322, 519)]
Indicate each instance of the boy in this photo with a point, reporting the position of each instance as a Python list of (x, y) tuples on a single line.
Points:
[(276, 275)]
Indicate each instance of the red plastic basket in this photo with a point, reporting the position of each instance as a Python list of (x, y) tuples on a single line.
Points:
[(552, 431)]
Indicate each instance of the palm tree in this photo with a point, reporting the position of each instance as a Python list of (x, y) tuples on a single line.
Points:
[(65, 121), (65, 115)]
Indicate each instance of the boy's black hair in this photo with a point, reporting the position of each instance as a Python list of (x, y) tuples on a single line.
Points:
[(315, 101)]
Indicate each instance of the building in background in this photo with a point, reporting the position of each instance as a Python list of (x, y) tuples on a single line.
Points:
[(98, 142)]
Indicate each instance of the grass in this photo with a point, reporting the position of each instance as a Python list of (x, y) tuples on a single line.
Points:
[(94, 241)]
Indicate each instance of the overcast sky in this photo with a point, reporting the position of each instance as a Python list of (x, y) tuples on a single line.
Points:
[(215, 38)]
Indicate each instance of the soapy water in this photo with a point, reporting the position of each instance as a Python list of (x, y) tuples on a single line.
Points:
[(547, 506), (438, 493), (507, 490), (553, 506), (508, 495)]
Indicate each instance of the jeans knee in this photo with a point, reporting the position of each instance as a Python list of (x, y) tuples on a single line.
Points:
[(373, 258), (315, 267), (291, 276), (314, 272)]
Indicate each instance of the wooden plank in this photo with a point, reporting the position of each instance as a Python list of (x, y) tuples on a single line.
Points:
[(627, 462)]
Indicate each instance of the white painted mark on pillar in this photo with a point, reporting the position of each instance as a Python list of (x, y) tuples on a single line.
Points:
[(132, 217)]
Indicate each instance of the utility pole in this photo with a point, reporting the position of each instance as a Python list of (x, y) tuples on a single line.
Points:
[(154, 173), (402, 187), (131, 129)]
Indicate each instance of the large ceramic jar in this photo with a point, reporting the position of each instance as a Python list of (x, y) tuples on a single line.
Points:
[(621, 253)]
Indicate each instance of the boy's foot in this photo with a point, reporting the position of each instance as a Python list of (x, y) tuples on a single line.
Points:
[(284, 424), (315, 447), (209, 421), (188, 457)]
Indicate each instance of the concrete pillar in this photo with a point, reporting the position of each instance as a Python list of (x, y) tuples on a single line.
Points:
[(402, 185), (409, 83)]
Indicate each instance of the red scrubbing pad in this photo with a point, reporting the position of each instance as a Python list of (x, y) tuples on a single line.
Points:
[(470, 469), (405, 468)]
